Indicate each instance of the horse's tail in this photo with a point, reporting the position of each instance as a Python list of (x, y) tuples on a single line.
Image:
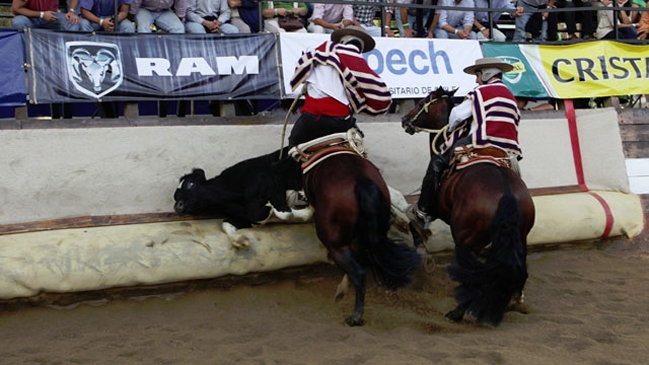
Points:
[(488, 286), (392, 263)]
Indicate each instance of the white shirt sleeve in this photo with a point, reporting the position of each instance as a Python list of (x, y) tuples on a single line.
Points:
[(460, 113)]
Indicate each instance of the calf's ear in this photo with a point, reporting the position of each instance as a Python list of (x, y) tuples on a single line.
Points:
[(200, 174)]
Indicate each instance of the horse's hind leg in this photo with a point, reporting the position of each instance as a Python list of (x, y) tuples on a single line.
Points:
[(345, 260)]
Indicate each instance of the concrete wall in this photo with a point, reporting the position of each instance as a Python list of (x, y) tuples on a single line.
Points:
[(57, 173)]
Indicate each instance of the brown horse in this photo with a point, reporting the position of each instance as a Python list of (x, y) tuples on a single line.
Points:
[(352, 218), (490, 212)]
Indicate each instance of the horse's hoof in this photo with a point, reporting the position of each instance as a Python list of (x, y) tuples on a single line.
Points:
[(456, 315), (354, 322)]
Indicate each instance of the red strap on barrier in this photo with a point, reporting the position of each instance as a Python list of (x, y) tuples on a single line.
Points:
[(579, 167), (607, 212), (574, 141)]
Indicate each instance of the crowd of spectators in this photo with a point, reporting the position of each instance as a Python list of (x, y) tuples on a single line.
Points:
[(450, 19)]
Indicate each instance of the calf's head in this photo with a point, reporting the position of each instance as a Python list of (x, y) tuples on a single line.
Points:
[(189, 195)]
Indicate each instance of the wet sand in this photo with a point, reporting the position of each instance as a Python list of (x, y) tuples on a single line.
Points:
[(585, 304)]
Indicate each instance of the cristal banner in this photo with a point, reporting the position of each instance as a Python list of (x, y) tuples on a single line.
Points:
[(68, 66)]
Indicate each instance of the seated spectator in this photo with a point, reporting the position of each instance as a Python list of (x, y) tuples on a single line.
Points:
[(364, 17), (643, 26), (249, 13), (327, 18), (421, 20), (98, 15), (167, 15), (606, 19), (274, 10), (456, 24), (400, 15), (44, 14), (534, 22), (571, 18), (209, 16), (488, 30), (235, 19)]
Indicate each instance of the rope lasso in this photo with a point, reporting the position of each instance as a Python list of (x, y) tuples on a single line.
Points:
[(288, 114)]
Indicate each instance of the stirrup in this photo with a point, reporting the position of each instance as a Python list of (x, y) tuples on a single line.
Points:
[(419, 220)]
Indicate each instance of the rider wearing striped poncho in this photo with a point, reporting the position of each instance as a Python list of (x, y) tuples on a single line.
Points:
[(491, 115), (339, 83)]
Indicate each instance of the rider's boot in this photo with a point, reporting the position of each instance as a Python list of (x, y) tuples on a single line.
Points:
[(424, 211)]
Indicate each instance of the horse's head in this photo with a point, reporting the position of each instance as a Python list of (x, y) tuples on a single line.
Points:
[(431, 113), (189, 193)]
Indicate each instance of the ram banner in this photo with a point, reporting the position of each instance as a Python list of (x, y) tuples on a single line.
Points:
[(105, 66)]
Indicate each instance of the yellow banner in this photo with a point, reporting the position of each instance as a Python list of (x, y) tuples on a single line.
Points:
[(593, 69)]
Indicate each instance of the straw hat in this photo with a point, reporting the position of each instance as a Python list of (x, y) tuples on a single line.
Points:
[(489, 62), (355, 32)]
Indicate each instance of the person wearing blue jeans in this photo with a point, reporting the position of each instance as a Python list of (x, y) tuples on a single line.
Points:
[(209, 16), (530, 7), (44, 14), (99, 15), (167, 15)]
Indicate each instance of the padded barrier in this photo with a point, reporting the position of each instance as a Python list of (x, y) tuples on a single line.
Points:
[(73, 260)]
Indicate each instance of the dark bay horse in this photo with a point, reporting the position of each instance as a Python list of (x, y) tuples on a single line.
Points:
[(352, 218), (490, 212)]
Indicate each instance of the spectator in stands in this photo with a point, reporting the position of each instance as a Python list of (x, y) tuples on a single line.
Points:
[(209, 16), (235, 19), (274, 10), (327, 18), (167, 15), (643, 25), (44, 14), (456, 24), (606, 19), (570, 18), (482, 26), (416, 22), (538, 22), (249, 14), (400, 15), (99, 14), (364, 17), (635, 13)]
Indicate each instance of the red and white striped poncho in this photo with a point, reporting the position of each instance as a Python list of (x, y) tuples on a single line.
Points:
[(366, 91), (495, 118)]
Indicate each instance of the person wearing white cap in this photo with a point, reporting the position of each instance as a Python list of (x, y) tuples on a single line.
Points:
[(339, 83), (488, 117)]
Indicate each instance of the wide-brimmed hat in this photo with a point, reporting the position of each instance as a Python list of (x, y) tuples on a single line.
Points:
[(489, 62), (355, 31)]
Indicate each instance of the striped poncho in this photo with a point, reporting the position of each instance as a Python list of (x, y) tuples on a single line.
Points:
[(495, 118), (365, 90)]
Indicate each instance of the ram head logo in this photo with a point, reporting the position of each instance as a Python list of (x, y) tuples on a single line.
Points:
[(95, 69)]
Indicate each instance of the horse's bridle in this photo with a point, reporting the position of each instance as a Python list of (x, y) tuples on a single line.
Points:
[(424, 108)]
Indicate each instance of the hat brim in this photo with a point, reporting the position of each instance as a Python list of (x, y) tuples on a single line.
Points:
[(368, 41), (505, 67)]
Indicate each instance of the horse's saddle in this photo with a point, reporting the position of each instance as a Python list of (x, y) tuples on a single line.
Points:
[(312, 152), (467, 155)]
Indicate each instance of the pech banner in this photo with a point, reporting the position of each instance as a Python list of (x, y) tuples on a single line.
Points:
[(108, 67)]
